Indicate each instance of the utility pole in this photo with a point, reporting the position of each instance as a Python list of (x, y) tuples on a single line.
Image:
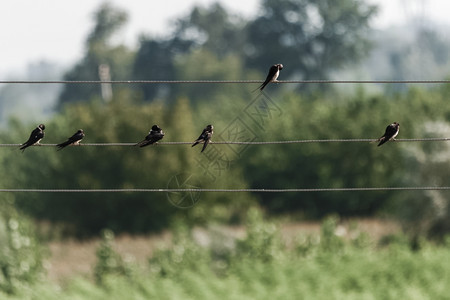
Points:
[(105, 75)]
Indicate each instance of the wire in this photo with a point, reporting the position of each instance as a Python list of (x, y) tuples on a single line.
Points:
[(221, 81), (249, 143), (167, 190)]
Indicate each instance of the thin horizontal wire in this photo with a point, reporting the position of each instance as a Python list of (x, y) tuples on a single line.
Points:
[(218, 81), (167, 190), (247, 143)]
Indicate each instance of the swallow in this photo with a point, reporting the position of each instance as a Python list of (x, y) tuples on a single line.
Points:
[(153, 136), (35, 137), (73, 140), (204, 137), (390, 134), (274, 72)]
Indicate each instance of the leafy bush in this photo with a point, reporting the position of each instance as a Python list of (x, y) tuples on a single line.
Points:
[(110, 167), (263, 240), (109, 262), (21, 256), (333, 267), (427, 213), (184, 254)]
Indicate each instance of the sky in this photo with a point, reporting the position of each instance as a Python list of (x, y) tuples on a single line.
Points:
[(55, 30)]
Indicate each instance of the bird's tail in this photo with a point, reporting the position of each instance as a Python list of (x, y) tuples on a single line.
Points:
[(204, 145), (259, 88), (140, 144), (382, 141), (62, 145), (195, 143), (24, 146)]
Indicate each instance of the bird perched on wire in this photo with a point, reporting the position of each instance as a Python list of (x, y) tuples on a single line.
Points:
[(153, 136), (205, 137), (274, 72), (35, 137), (73, 140), (390, 134)]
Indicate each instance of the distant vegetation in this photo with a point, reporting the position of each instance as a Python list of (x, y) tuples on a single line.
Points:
[(229, 48), (262, 266), (211, 43), (421, 113), (314, 40)]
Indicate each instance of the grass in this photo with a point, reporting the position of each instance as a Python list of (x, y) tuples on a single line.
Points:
[(261, 266), (355, 274)]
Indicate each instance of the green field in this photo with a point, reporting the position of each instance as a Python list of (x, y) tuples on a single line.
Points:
[(262, 265)]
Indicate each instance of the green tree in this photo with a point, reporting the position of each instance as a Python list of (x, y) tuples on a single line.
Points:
[(99, 50), (427, 213), (318, 165), (121, 120), (154, 61), (21, 256), (203, 64), (213, 29), (105, 167), (310, 37)]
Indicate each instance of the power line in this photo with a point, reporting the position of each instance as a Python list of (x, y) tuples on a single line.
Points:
[(222, 81), (246, 143), (198, 190)]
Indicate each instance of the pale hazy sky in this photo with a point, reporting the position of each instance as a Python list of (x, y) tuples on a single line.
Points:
[(55, 30)]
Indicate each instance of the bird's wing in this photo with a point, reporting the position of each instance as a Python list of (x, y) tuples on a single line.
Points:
[(145, 141), (382, 140), (207, 139), (141, 143), (205, 144), (64, 144), (35, 136), (203, 136), (390, 131), (74, 138), (272, 71)]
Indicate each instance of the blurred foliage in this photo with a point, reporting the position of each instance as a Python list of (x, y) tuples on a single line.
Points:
[(323, 266), (333, 164), (203, 64), (421, 53), (109, 262), (428, 164), (344, 164), (37, 101), (314, 38), (314, 165), (311, 38), (185, 255), (100, 50), (116, 167), (213, 29), (263, 241), (153, 61), (21, 256)]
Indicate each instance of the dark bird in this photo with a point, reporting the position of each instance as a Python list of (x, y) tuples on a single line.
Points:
[(204, 137), (153, 136), (390, 134), (36, 135), (274, 72), (73, 140)]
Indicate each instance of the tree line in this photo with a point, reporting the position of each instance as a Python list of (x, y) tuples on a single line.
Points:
[(200, 49)]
